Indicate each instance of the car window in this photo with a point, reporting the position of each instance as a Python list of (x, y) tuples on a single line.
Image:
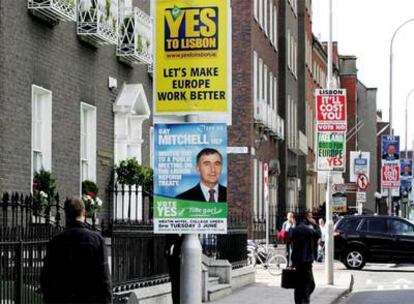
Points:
[(348, 224), (398, 227), (374, 225)]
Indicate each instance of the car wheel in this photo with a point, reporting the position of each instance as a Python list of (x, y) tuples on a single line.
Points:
[(355, 259)]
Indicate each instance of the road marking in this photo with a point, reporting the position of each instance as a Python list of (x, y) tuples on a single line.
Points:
[(369, 281)]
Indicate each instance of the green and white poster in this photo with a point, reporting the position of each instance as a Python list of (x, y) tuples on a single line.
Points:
[(331, 151)]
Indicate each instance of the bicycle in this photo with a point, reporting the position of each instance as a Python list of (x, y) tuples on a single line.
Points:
[(267, 258)]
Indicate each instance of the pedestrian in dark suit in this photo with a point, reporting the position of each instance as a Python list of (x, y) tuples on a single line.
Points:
[(75, 267), (305, 238), (173, 254)]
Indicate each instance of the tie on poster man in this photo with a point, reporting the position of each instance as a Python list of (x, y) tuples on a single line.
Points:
[(331, 129)]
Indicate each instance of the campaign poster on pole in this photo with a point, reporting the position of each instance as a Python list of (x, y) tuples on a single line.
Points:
[(390, 147), (339, 204), (358, 164), (192, 56), (331, 109), (331, 149), (190, 178), (406, 168)]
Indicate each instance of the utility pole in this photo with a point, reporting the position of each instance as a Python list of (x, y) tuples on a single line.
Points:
[(329, 222)]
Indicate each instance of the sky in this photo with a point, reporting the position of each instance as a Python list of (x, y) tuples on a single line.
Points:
[(364, 28)]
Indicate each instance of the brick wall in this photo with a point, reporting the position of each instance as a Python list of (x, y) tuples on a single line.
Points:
[(53, 57)]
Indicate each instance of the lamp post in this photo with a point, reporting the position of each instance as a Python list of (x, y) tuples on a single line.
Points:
[(390, 204), (406, 122)]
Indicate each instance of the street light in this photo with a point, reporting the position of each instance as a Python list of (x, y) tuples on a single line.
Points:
[(390, 206), (391, 70), (406, 122)]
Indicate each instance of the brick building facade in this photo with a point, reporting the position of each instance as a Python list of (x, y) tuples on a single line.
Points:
[(55, 92)]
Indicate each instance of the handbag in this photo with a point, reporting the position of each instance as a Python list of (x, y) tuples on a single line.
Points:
[(289, 278), (281, 235)]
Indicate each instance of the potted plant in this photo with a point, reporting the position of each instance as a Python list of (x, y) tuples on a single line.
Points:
[(90, 197), (130, 172), (43, 188)]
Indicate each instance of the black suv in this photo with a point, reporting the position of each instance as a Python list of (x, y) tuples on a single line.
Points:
[(373, 238)]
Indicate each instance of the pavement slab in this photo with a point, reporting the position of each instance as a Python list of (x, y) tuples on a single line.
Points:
[(267, 290)]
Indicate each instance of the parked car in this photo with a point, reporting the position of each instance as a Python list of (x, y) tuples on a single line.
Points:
[(361, 239)]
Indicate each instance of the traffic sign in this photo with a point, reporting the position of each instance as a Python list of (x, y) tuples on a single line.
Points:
[(361, 197), (362, 182), (347, 187)]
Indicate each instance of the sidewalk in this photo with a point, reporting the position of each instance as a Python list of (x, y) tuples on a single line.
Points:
[(267, 289)]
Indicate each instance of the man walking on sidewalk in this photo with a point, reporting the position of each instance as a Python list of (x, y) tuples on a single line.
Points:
[(305, 245)]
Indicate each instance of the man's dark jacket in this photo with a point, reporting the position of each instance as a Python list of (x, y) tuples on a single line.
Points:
[(305, 243), (196, 194), (75, 268)]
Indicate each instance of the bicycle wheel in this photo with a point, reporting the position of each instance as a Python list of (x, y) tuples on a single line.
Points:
[(276, 263)]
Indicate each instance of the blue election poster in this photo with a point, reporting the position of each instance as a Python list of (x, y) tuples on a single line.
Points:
[(190, 178), (406, 167), (390, 147)]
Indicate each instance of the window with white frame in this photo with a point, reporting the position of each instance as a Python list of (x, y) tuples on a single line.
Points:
[(255, 9), (261, 85), (260, 200), (292, 123), (256, 84), (260, 8), (270, 24), (265, 13), (255, 183), (265, 80), (41, 129), (88, 142), (275, 94), (275, 26), (289, 46)]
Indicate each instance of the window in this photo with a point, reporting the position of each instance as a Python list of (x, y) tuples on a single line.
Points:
[(255, 8), (255, 183), (270, 24), (398, 227), (88, 142), (265, 25), (348, 224), (289, 49), (41, 129), (265, 80), (275, 26), (261, 86), (275, 94), (256, 84), (260, 12), (260, 211), (374, 225)]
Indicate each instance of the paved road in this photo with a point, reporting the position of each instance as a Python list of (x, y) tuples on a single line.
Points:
[(382, 284)]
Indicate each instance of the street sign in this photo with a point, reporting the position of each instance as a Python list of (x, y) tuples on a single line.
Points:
[(339, 204), (347, 187), (361, 197), (390, 174), (358, 163), (362, 182)]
